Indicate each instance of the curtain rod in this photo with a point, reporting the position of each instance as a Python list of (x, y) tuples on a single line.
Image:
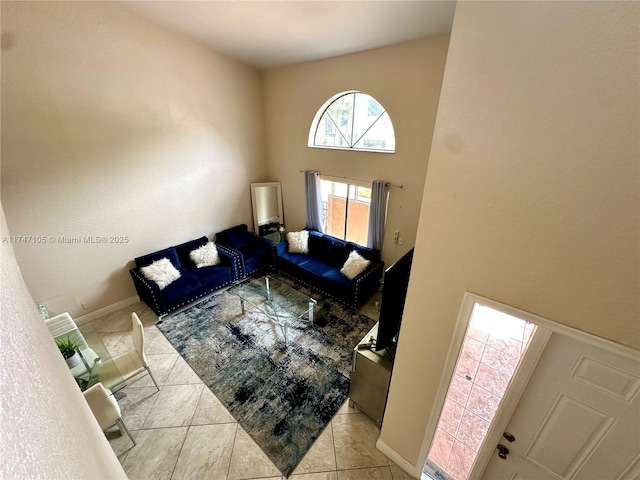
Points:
[(359, 180)]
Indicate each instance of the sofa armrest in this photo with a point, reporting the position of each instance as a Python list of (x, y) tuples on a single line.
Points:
[(271, 245), (368, 282), (148, 291), (371, 274), (233, 258)]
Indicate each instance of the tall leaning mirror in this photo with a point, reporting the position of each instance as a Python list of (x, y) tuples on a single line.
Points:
[(266, 199)]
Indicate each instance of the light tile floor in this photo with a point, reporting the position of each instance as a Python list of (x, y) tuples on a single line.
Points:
[(183, 431)]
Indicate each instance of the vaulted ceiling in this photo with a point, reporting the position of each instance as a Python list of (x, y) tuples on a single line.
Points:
[(269, 33)]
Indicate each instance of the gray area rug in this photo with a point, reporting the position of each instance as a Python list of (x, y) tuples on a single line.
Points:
[(282, 395)]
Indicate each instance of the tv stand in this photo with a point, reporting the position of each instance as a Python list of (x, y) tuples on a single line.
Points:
[(370, 377)]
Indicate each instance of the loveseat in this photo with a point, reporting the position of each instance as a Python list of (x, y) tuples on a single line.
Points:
[(319, 269), (193, 282)]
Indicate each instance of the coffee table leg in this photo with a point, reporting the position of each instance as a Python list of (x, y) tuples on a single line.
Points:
[(242, 304), (311, 305)]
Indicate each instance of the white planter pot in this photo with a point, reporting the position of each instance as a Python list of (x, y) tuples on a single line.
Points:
[(74, 360)]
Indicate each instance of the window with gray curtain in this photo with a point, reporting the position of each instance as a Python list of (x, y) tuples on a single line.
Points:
[(345, 210)]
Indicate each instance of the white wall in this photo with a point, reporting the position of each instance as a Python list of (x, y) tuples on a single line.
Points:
[(48, 430), (406, 79), (113, 127), (532, 190)]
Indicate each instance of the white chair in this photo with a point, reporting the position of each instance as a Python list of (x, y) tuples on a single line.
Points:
[(105, 408), (134, 361)]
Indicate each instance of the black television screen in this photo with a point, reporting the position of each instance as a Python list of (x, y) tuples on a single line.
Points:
[(394, 292)]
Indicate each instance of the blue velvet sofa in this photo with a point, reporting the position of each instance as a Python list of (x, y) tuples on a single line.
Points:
[(320, 268), (193, 283), (255, 253)]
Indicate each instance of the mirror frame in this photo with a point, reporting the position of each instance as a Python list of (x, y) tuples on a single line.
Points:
[(254, 187)]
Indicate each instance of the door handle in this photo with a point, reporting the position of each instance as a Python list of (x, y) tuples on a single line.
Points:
[(502, 451)]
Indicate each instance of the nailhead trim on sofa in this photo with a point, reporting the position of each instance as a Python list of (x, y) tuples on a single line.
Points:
[(193, 300), (352, 305)]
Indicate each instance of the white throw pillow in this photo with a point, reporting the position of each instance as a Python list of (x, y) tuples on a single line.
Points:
[(205, 256), (354, 265), (162, 272), (298, 241)]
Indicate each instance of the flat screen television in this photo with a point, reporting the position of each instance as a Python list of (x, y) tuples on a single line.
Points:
[(394, 292)]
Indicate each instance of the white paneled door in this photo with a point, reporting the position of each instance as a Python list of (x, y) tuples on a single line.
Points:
[(578, 419)]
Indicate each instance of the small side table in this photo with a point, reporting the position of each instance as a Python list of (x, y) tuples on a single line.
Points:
[(275, 237)]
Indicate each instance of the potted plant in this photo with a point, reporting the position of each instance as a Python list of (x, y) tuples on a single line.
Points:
[(68, 347)]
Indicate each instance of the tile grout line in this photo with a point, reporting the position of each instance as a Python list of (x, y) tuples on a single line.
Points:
[(333, 442), (233, 447), (180, 452)]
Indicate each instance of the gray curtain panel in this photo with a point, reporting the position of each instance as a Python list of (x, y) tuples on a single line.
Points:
[(314, 201), (377, 214)]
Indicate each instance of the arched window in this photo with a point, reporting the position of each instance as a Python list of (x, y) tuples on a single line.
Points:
[(353, 121)]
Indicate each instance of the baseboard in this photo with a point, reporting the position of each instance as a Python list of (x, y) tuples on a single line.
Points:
[(392, 455), (89, 317)]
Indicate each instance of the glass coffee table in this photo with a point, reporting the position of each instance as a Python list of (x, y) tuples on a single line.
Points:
[(278, 301)]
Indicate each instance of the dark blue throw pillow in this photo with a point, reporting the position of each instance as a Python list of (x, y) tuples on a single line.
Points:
[(339, 253), (319, 246)]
